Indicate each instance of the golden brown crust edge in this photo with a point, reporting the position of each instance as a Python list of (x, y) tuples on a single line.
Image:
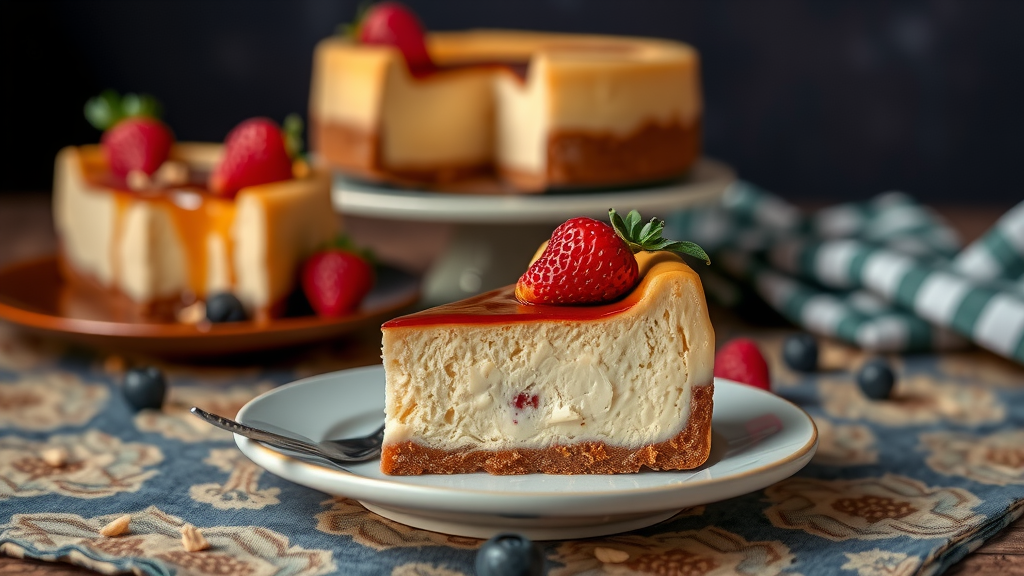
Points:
[(689, 449)]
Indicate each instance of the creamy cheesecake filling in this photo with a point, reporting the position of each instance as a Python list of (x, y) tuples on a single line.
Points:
[(443, 119), (625, 379)]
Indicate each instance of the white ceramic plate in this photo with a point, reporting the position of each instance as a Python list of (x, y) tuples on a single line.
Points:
[(705, 182), (758, 439)]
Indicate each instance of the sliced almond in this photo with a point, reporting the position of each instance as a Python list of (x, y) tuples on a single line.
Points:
[(192, 539), (171, 173), (116, 527), (56, 457), (611, 555), (138, 181)]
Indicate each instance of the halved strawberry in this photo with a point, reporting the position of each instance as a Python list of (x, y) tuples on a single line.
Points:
[(254, 154), (589, 262), (134, 138), (336, 280), (393, 24)]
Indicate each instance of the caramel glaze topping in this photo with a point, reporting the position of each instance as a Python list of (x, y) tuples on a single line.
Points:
[(501, 307), (196, 213)]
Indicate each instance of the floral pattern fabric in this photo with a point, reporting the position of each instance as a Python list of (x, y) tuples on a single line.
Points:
[(901, 487)]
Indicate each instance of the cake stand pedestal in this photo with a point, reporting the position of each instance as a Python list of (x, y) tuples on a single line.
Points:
[(496, 234)]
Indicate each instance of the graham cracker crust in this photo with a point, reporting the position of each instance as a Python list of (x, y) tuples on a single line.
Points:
[(689, 449), (651, 153)]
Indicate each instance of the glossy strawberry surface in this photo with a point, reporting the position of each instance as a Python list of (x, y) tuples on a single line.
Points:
[(336, 281), (137, 143), (741, 360), (254, 153), (585, 262), (393, 24)]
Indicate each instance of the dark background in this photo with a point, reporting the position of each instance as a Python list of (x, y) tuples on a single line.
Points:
[(817, 100)]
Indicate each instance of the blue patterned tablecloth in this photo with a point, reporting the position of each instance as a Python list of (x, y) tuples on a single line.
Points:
[(907, 486)]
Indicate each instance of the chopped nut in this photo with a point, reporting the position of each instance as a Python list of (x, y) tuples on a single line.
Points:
[(171, 173), (192, 539), (138, 180), (611, 555), (193, 313), (56, 457), (116, 527)]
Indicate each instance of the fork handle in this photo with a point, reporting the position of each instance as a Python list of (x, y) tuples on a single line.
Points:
[(255, 433)]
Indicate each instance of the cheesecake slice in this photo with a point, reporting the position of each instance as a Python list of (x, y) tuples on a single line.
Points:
[(541, 110), (162, 247), (490, 384)]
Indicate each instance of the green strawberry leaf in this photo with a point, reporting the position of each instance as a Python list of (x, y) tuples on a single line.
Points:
[(350, 30), (109, 108), (648, 236), (292, 129), (104, 111), (140, 105), (344, 243)]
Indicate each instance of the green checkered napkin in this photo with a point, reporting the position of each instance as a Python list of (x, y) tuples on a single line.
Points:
[(886, 275)]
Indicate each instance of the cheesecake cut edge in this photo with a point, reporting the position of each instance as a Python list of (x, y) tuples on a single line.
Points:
[(407, 451)]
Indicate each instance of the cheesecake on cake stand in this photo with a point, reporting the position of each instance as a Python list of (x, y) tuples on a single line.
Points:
[(495, 235)]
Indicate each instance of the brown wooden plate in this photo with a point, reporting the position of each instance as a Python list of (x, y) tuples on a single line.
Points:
[(34, 295)]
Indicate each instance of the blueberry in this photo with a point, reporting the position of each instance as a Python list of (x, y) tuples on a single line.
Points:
[(876, 379), (509, 555), (224, 307), (800, 351), (145, 387)]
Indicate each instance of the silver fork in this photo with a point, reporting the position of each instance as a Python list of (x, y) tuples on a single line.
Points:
[(339, 452)]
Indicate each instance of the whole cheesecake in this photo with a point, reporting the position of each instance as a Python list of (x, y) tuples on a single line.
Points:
[(490, 384), (540, 110), (161, 246)]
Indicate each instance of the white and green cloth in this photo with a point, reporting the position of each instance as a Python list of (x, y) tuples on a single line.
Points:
[(887, 275)]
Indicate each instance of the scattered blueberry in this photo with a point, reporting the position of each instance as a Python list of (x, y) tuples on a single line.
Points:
[(224, 307), (800, 351), (876, 379), (509, 555), (145, 387)]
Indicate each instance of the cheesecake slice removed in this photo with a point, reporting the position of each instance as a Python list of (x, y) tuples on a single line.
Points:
[(491, 384)]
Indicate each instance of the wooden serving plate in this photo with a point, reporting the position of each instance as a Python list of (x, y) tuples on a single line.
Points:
[(33, 295)]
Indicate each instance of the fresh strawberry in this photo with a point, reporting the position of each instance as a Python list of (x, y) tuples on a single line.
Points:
[(585, 262), (335, 281), (392, 24), (741, 360), (589, 262), (138, 143), (134, 138), (254, 153)]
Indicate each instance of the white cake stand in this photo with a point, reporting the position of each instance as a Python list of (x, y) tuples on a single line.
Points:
[(497, 234)]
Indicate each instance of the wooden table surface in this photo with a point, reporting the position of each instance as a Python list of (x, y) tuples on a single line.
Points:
[(26, 231)]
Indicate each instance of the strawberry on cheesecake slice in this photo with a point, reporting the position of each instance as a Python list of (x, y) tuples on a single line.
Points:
[(599, 361), (159, 224)]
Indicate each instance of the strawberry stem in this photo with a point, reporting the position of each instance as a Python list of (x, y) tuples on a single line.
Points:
[(292, 129), (350, 30), (641, 236)]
